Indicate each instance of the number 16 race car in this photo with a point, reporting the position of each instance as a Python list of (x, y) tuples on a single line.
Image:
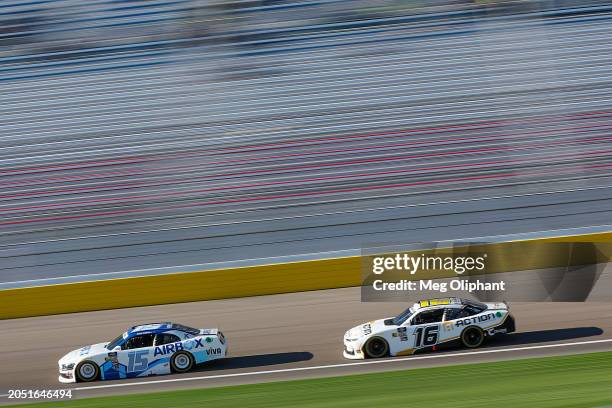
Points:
[(148, 349), (429, 325)]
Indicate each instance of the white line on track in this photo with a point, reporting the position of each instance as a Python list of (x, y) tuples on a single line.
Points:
[(358, 363)]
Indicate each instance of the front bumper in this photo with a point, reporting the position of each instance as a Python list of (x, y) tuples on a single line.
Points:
[(352, 351), (66, 377)]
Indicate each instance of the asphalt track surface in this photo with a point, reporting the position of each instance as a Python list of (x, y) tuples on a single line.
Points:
[(386, 135), (281, 337)]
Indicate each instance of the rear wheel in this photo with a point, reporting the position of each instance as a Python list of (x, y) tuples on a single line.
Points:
[(181, 362), (472, 337), (376, 348), (87, 371)]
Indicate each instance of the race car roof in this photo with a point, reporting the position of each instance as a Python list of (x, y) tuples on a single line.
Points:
[(151, 328), (446, 301), (154, 328)]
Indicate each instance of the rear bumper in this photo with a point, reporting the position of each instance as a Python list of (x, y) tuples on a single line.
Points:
[(508, 326)]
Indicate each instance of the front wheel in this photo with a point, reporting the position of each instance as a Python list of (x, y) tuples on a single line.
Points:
[(376, 348), (472, 337), (87, 371), (181, 362)]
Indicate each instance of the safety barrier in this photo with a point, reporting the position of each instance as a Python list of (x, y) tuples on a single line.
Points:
[(198, 286)]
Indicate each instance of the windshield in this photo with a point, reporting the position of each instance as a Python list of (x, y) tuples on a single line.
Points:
[(402, 317), (115, 342)]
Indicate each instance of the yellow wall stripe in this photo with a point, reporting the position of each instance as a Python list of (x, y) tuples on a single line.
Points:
[(194, 286)]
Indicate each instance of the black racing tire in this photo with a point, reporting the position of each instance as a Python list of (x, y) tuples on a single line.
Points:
[(181, 362), (376, 347), (472, 337), (87, 371)]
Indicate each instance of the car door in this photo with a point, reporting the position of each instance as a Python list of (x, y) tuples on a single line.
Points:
[(450, 330), (425, 327), (165, 345), (136, 353), (454, 321)]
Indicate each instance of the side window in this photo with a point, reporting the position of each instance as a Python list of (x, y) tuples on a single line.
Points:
[(165, 338), (143, 340), (429, 316), (452, 314), (472, 310)]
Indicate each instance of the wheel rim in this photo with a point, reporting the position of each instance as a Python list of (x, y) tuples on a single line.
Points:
[(87, 371), (472, 337), (376, 348), (182, 361)]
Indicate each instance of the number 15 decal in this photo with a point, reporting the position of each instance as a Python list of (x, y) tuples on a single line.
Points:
[(426, 336), (137, 361)]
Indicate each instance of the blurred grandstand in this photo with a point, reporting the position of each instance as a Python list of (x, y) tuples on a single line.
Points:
[(145, 115)]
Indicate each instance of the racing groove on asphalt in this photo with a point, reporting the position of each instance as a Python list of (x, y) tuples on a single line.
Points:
[(278, 332)]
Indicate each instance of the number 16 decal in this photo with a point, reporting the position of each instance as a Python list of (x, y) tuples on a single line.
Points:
[(426, 336)]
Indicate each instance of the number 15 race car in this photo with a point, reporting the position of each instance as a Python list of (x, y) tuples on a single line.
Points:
[(429, 325), (148, 349)]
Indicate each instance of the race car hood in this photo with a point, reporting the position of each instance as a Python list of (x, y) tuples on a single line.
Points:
[(367, 329), (80, 354)]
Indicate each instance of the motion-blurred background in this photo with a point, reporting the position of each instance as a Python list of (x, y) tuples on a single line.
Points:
[(140, 134)]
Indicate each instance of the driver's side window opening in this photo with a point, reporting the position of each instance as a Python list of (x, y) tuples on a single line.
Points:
[(140, 341), (428, 316)]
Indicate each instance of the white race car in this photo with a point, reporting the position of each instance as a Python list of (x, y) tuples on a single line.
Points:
[(429, 325), (148, 349)]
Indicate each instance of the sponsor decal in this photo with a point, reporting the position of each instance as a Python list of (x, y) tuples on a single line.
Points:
[(112, 357), (403, 335), (84, 350), (191, 344), (213, 351), (448, 326), (209, 339), (502, 331), (475, 319), (178, 346), (367, 329), (498, 314)]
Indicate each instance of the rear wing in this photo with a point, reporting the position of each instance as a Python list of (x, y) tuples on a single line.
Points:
[(496, 306)]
